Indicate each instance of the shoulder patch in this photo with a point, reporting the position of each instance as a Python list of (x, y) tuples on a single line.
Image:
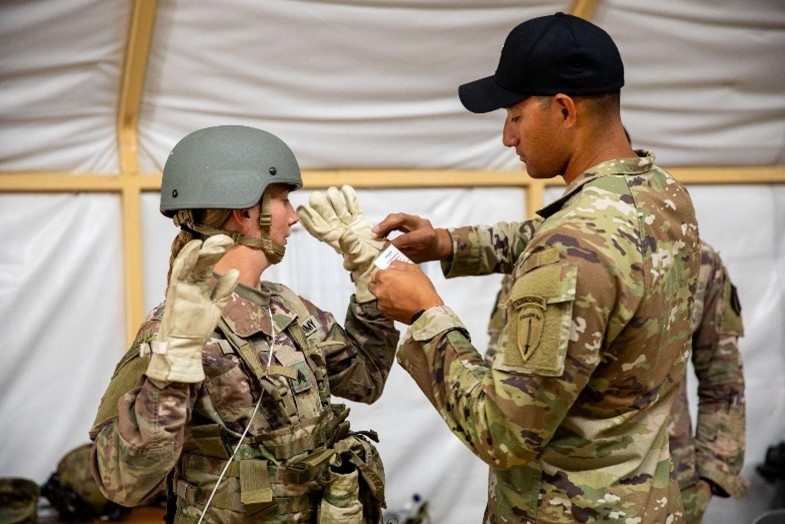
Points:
[(731, 318), (539, 319), (531, 314)]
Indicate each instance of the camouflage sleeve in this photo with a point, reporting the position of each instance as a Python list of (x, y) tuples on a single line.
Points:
[(508, 412), (482, 250), (359, 355), (680, 440), (720, 432), (138, 434)]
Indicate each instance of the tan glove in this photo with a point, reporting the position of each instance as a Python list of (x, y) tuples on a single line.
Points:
[(191, 312), (337, 220)]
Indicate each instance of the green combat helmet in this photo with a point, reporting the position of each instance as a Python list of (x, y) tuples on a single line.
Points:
[(227, 167), (18, 500), (72, 491)]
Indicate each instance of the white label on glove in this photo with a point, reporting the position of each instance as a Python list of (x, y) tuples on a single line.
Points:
[(389, 254)]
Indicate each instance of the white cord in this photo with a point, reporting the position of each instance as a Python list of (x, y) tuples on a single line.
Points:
[(245, 432), (272, 339)]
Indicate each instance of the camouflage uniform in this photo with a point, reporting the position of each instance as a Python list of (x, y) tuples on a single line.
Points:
[(571, 416), (145, 429), (716, 451)]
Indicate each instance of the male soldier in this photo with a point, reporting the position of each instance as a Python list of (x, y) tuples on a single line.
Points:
[(709, 461), (228, 384), (571, 417)]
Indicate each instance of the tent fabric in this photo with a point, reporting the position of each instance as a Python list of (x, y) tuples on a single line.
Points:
[(373, 84), (60, 67), (355, 84)]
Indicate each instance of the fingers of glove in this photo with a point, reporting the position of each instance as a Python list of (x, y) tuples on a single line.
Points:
[(313, 221), (217, 243), (224, 287), (352, 202), (359, 224), (213, 249), (338, 203), (323, 207), (185, 261), (318, 228)]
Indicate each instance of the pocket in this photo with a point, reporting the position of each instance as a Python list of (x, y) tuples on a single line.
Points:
[(227, 391), (539, 321)]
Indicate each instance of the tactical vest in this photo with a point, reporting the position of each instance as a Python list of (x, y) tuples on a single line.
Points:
[(284, 474)]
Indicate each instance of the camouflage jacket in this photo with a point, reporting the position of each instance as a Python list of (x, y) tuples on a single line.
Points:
[(716, 450), (571, 416), (145, 429)]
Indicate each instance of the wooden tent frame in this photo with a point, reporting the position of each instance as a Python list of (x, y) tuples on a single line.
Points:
[(130, 183)]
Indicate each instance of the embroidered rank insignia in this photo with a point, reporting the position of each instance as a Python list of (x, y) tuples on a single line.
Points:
[(301, 383), (531, 313)]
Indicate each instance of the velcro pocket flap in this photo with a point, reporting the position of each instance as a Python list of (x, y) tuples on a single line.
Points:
[(539, 320), (254, 482)]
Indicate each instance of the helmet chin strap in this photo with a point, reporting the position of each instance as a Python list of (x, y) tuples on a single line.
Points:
[(272, 249)]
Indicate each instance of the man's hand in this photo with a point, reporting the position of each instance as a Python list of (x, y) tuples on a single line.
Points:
[(336, 218), (420, 241), (403, 290), (191, 312)]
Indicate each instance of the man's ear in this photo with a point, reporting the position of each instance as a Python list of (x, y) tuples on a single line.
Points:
[(567, 109)]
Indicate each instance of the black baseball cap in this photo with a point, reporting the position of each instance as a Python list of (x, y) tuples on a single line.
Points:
[(543, 56)]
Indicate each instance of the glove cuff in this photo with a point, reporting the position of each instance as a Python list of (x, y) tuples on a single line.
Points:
[(178, 364), (361, 281)]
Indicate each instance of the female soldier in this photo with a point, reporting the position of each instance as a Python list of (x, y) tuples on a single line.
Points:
[(224, 396)]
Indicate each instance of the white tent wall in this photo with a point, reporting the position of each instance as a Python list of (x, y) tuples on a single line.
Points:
[(360, 84), (60, 67), (373, 83)]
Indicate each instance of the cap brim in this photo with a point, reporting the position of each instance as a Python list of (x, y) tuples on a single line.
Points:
[(485, 95)]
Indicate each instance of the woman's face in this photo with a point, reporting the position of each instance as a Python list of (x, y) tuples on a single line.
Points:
[(283, 213)]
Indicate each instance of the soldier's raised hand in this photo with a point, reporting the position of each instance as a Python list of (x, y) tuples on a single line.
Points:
[(336, 218), (194, 304)]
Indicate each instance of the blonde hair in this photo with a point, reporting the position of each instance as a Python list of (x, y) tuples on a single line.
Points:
[(212, 218)]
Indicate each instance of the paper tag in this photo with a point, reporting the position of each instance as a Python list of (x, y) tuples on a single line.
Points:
[(389, 254)]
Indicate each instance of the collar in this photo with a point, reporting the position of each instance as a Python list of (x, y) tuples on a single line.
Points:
[(247, 312), (618, 166)]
